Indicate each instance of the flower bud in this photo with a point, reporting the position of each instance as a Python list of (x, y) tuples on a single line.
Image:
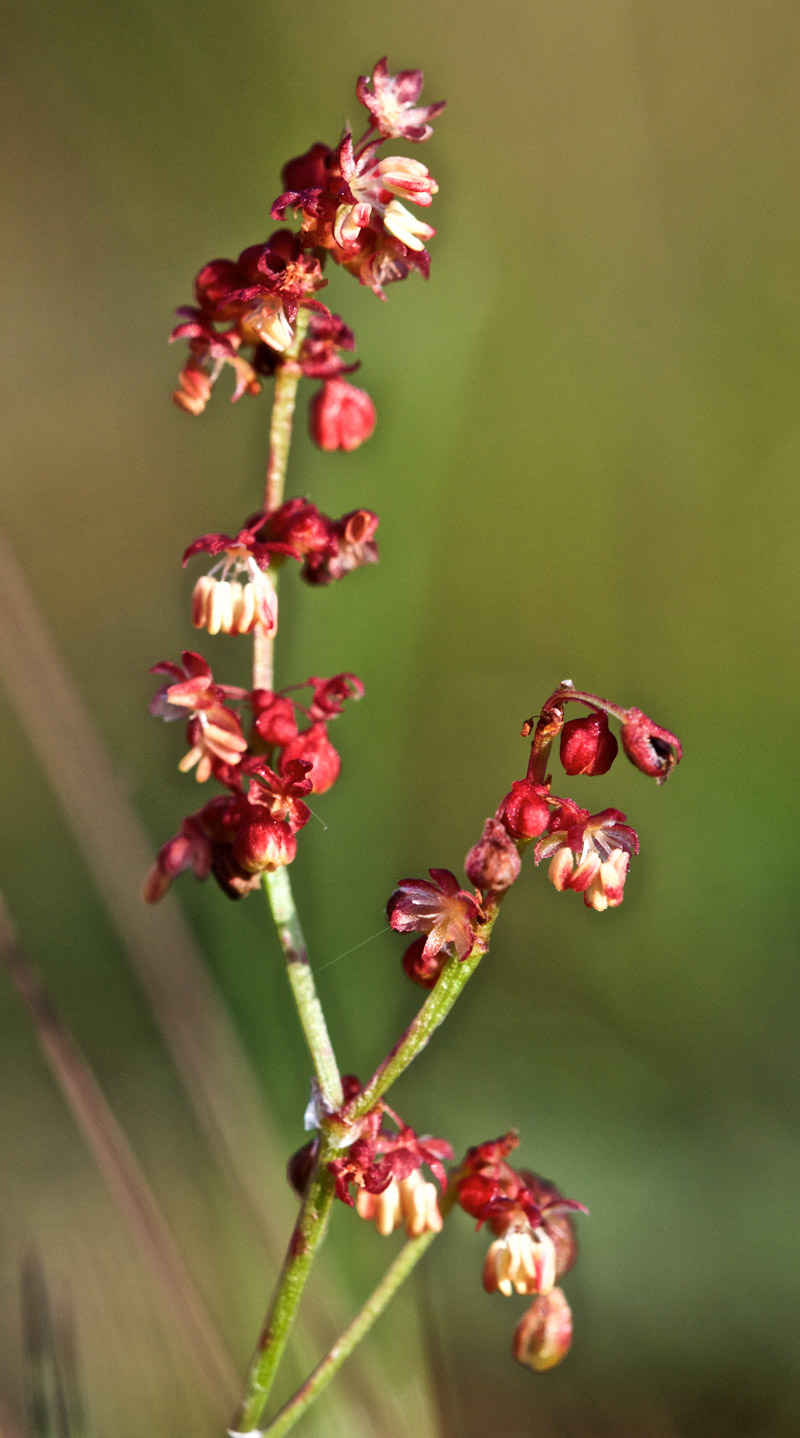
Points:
[(493, 863), (301, 1166), (525, 811), (653, 750), (544, 1334), (264, 844), (587, 745), (420, 968), (309, 171), (342, 417), (274, 722)]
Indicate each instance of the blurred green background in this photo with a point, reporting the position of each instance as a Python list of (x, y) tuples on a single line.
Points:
[(585, 464)]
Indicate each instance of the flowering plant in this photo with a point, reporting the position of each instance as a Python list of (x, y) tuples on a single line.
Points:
[(269, 750)]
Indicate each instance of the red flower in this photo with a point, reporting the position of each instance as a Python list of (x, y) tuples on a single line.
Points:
[(372, 185), (319, 354), (589, 853), (355, 545), (378, 1156), (315, 749), (214, 732), (392, 103), (282, 794), (224, 604), (297, 528), (330, 695), (535, 1242), (442, 910), (342, 417)]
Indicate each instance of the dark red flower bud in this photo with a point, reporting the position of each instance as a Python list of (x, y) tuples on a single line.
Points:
[(544, 1334), (587, 745), (315, 748), (301, 1166), (308, 171), (264, 844), (342, 417), (653, 750), (420, 968), (525, 811), (274, 722), (493, 863)]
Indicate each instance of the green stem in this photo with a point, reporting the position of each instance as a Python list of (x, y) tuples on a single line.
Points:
[(435, 1009), (290, 935), (287, 379), (406, 1260), (308, 1233)]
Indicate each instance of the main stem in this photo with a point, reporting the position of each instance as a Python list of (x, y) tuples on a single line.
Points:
[(277, 885), (312, 1221), (406, 1260), (290, 935), (308, 1233), (287, 379)]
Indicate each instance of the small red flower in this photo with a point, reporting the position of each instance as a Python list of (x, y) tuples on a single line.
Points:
[(535, 1243), (282, 794), (392, 103), (588, 853), (330, 695), (445, 912), (354, 546), (378, 1157), (214, 732), (342, 417), (314, 748)]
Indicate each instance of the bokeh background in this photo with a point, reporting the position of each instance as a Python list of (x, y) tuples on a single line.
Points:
[(586, 464)]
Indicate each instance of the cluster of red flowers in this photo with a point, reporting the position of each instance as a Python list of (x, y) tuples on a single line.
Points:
[(351, 209), (534, 1245), (588, 853), (252, 828)]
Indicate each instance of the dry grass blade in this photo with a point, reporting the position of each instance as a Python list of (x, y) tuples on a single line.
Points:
[(203, 1042), (125, 1180), (55, 1399), (199, 1035)]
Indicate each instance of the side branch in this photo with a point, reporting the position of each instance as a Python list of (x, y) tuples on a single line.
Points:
[(435, 1009), (405, 1262)]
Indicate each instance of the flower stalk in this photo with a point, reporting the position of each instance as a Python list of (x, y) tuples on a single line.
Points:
[(449, 986), (307, 1235)]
